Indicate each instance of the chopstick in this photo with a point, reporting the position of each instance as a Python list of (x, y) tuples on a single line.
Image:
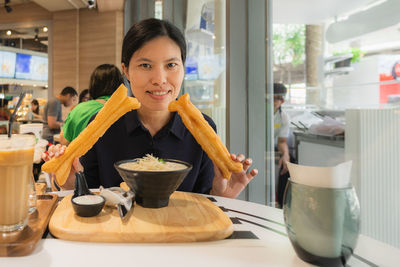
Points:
[(302, 124), (298, 127)]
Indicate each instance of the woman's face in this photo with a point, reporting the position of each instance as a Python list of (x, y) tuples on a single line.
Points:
[(278, 101), (86, 98), (156, 73)]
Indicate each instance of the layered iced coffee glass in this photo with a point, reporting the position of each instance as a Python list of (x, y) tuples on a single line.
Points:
[(16, 161)]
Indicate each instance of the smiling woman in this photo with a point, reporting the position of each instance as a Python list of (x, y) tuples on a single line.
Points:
[(153, 56)]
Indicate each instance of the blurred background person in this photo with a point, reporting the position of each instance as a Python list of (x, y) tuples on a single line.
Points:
[(104, 80), (5, 113), (53, 113), (34, 112), (84, 96), (281, 134)]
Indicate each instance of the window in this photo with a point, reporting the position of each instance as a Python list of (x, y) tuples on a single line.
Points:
[(158, 8), (351, 76)]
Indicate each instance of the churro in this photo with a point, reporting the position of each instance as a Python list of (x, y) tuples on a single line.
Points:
[(118, 104), (205, 135)]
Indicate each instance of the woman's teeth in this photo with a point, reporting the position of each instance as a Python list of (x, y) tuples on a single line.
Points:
[(159, 93)]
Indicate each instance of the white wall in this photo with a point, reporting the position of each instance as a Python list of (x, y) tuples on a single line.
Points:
[(372, 143), (358, 88)]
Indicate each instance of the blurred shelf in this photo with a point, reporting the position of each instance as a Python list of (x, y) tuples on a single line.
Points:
[(23, 82), (337, 65), (337, 71), (337, 58), (206, 82), (200, 36)]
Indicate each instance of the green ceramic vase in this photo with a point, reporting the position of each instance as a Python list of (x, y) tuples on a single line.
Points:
[(323, 224)]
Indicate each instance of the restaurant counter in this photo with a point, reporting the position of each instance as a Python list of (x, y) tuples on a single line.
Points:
[(259, 239), (318, 149)]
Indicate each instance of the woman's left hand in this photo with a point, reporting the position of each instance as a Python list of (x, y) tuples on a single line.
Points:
[(231, 188)]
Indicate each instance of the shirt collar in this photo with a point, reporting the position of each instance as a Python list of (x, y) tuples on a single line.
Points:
[(132, 121), (175, 125)]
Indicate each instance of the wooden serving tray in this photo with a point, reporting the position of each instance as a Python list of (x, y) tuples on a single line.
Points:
[(22, 243), (188, 218)]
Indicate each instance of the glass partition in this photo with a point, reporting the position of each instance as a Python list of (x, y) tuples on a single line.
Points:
[(205, 65), (343, 99)]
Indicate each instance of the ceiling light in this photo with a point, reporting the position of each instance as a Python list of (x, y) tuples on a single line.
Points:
[(8, 32), (45, 29)]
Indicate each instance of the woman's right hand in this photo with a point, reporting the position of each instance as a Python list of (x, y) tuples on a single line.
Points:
[(54, 151)]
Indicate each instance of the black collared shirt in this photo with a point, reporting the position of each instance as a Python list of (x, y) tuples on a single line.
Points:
[(127, 138)]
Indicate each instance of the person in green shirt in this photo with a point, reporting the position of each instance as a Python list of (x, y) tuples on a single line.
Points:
[(104, 80)]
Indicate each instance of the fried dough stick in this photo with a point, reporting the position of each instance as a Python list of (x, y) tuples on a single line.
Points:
[(205, 135), (118, 104)]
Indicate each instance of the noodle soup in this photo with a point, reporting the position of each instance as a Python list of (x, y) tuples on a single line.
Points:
[(152, 180), (151, 163)]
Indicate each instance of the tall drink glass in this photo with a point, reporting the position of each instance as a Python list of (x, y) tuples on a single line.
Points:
[(16, 161)]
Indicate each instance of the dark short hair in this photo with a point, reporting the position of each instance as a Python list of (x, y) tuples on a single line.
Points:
[(69, 91), (146, 30), (36, 103), (280, 89), (105, 79), (83, 94)]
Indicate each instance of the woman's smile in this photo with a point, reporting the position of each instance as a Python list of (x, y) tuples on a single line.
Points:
[(159, 94)]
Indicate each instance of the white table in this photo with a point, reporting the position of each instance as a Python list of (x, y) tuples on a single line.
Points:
[(271, 248)]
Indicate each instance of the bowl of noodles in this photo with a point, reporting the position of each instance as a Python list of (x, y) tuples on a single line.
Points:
[(153, 180)]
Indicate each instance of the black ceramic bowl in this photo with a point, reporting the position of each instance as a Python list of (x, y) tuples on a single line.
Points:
[(153, 188), (90, 208)]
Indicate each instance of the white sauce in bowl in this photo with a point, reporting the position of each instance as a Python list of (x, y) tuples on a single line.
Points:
[(88, 200)]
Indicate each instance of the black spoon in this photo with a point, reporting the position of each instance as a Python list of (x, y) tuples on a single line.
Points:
[(10, 122)]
